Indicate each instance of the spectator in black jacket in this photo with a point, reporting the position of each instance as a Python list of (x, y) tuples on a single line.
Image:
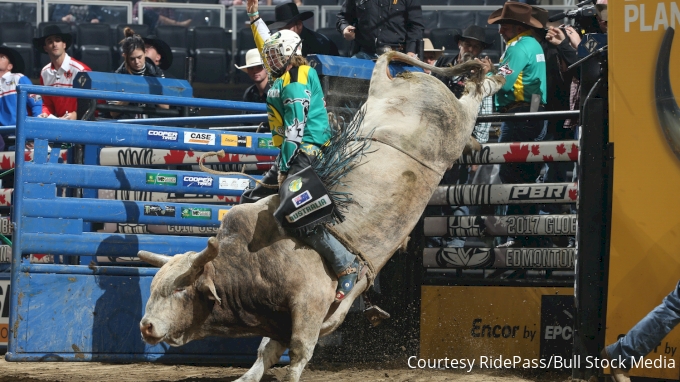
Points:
[(379, 26), (289, 17)]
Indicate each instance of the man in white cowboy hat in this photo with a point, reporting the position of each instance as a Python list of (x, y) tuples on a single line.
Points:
[(523, 65), (254, 68), (60, 72), (11, 69), (430, 54)]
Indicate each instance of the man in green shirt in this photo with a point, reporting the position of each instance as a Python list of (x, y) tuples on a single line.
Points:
[(523, 65)]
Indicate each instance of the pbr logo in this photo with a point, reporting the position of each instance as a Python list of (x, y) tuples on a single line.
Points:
[(159, 135), (302, 199), (197, 181), (538, 192), (199, 138)]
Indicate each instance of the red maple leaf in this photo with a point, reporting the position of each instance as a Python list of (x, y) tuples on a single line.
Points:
[(3, 201), (265, 158), (573, 154), (561, 149), (572, 194), (28, 156), (6, 163), (229, 158), (175, 157), (548, 158), (190, 153), (534, 150), (220, 197), (64, 155), (517, 153)]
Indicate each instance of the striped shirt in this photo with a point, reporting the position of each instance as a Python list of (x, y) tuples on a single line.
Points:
[(63, 78)]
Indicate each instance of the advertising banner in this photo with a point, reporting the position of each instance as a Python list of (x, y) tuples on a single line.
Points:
[(645, 129)]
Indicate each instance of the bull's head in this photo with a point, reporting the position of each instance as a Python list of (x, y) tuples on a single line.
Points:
[(182, 295)]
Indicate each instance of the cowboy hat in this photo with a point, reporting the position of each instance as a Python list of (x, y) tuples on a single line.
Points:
[(515, 13), (473, 32), (253, 58), (540, 14), (287, 14), (52, 30), (162, 48), (14, 58), (428, 47)]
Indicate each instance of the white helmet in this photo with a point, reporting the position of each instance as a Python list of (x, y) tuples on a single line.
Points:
[(278, 50)]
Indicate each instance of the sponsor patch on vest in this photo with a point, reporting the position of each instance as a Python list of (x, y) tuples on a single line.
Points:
[(233, 184), (197, 181), (295, 185), (301, 199), (304, 211), (237, 140), (504, 70), (199, 138), (274, 93), (160, 135)]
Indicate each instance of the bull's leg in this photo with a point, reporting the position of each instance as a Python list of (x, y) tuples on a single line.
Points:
[(307, 321), (268, 354)]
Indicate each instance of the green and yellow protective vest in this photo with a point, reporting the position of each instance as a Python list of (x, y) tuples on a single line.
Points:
[(523, 66)]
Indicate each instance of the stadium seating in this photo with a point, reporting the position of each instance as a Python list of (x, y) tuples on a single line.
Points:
[(456, 19), (343, 45), (494, 2), (210, 55), (174, 35), (444, 37), (7, 12), (94, 47), (19, 36), (179, 65), (430, 20), (321, 2)]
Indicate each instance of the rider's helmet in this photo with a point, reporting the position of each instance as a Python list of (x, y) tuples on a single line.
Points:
[(278, 50)]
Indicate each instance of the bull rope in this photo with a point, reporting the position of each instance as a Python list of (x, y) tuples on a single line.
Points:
[(440, 174)]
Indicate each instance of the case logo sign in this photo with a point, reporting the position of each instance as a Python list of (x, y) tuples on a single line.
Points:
[(4, 310), (197, 181), (199, 138), (155, 210), (196, 213), (233, 184), (160, 135), (237, 140), (162, 179)]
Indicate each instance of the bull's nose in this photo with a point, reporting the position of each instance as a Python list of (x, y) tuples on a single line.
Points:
[(146, 327)]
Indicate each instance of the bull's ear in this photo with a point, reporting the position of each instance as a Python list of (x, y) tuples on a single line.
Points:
[(153, 258), (206, 284)]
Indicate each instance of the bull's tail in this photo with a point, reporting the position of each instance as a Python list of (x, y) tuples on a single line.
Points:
[(472, 68)]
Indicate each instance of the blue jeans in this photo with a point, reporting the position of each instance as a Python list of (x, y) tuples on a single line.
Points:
[(512, 173), (648, 333), (335, 254)]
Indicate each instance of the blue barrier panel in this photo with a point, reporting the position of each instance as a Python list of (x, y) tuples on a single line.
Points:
[(91, 313)]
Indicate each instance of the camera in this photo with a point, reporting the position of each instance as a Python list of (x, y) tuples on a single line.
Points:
[(584, 17)]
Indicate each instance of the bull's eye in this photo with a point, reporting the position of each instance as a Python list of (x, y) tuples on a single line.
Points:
[(178, 290)]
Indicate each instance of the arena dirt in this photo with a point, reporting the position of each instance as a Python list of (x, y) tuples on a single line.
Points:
[(87, 372)]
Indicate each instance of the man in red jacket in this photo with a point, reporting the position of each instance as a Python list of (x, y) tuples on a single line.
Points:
[(60, 72)]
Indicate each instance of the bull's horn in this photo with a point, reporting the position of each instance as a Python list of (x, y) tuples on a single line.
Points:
[(153, 258), (198, 261), (666, 106)]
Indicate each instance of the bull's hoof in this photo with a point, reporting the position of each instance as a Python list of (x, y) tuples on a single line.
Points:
[(375, 315)]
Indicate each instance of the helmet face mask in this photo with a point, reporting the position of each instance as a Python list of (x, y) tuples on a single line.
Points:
[(279, 49)]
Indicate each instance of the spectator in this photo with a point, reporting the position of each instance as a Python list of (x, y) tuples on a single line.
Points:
[(471, 43), (523, 65), (376, 27), (11, 69), (136, 63), (430, 54), (60, 72), (159, 52), (229, 3), (642, 338), (159, 16), (76, 14), (257, 92), (288, 17)]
